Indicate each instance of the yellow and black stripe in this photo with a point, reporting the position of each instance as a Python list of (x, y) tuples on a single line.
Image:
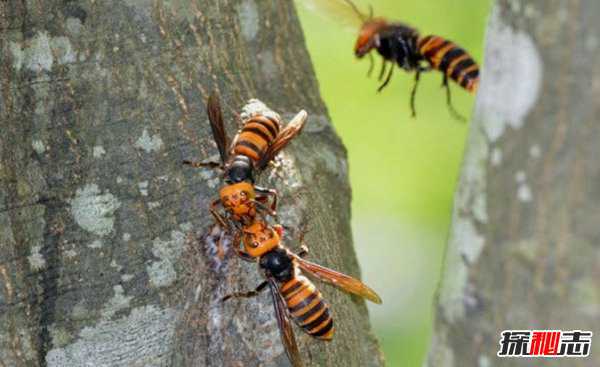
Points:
[(449, 58), (256, 136), (308, 308)]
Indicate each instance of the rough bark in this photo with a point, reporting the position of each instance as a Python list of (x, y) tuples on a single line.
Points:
[(102, 254), (524, 246)]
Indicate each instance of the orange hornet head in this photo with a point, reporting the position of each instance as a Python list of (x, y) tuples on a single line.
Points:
[(259, 238), (238, 198), (368, 36)]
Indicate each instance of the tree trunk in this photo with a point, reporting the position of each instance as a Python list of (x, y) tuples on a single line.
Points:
[(523, 251), (104, 253)]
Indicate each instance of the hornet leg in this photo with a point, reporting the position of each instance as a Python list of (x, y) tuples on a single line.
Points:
[(212, 165), (270, 192), (303, 251), (266, 209), (387, 80), (413, 93), (453, 111), (249, 294), (218, 217), (303, 248), (382, 70), (244, 255), (239, 252), (371, 65)]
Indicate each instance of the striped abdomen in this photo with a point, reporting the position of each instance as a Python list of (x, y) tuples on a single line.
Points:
[(256, 136), (307, 307), (450, 59)]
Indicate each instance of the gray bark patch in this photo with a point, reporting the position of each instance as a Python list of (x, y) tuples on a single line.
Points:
[(149, 143), (162, 272), (36, 260), (248, 15), (94, 211), (143, 338), (42, 52), (505, 98)]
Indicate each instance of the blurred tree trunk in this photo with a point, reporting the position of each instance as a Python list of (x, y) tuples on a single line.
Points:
[(524, 252), (103, 259)]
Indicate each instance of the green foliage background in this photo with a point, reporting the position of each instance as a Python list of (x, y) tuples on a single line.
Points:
[(403, 171)]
